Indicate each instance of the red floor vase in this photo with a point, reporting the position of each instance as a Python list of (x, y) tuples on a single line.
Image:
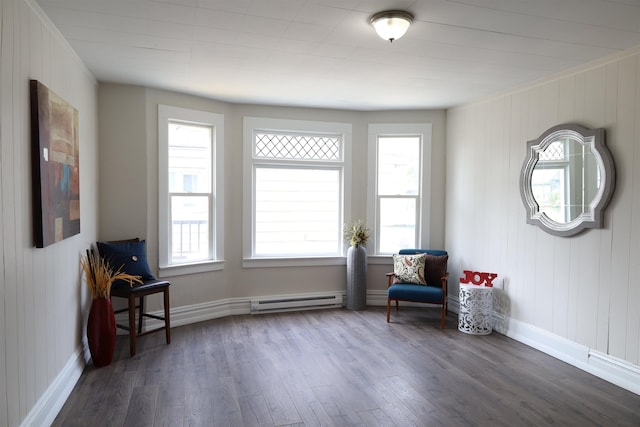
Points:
[(101, 331)]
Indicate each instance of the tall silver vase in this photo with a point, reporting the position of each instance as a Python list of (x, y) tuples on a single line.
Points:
[(357, 278)]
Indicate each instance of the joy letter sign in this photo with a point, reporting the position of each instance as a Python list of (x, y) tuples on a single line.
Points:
[(478, 278)]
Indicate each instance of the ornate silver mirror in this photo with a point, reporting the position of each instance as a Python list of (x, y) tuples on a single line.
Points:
[(567, 179)]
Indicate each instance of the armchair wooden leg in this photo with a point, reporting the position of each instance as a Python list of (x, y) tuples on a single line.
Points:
[(140, 314), (444, 311), (388, 309), (132, 325), (167, 323)]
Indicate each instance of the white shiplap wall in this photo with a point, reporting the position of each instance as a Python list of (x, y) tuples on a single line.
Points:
[(585, 289), (42, 300)]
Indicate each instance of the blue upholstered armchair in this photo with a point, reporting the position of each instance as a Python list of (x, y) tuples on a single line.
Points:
[(419, 275)]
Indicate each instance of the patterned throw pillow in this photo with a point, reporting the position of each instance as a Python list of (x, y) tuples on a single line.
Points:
[(409, 268)]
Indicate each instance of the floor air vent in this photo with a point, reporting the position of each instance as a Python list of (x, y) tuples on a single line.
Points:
[(298, 303)]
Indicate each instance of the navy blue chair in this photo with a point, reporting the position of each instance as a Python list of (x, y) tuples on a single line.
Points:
[(131, 256), (435, 290)]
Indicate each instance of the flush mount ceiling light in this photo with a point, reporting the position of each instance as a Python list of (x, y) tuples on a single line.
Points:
[(391, 24)]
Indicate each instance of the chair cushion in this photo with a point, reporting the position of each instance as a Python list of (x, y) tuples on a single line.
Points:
[(130, 256), (436, 252), (122, 289), (406, 292), (409, 268), (434, 268)]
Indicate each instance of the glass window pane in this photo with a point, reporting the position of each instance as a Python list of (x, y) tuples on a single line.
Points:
[(398, 165), (189, 158), (397, 224), (189, 228), (297, 212)]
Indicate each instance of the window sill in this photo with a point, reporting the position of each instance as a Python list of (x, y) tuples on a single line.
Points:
[(292, 262), (380, 260), (311, 262), (197, 267)]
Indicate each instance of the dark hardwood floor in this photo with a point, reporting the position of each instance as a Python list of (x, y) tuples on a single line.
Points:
[(340, 368)]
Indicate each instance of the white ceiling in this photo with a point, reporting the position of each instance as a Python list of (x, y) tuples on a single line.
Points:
[(324, 53)]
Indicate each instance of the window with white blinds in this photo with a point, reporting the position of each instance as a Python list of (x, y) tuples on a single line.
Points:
[(295, 180)]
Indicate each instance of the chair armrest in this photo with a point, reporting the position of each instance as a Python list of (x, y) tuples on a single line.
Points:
[(445, 280), (390, 277)]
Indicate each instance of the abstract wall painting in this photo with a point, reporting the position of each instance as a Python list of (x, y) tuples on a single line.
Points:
[(54, 158)]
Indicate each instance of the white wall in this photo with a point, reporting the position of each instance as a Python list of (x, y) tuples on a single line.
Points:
[(121, 125), (584, 289), (42, 300)]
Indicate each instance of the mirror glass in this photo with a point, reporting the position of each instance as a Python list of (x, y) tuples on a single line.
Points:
[(567, 179)]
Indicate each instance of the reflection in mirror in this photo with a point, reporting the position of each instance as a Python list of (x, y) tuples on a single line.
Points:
[(567, 179)]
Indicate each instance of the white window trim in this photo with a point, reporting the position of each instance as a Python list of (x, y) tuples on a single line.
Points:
[(376, 130), (302, 126), (166, 113)]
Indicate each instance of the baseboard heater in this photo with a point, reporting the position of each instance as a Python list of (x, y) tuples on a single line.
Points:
[(271, 305)]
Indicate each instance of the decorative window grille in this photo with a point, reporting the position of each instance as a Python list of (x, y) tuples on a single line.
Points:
[(555, 151), (301, 147)]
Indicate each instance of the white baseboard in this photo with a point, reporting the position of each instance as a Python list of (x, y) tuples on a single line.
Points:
[(47, 407), (377, 298), (616, 371), (186, 315), (194, 313)]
